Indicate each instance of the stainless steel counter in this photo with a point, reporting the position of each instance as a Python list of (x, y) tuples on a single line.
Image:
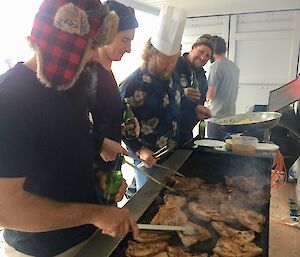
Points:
[(102, 245)]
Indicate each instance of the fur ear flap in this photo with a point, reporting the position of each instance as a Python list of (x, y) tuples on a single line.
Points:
[(108, 30), (71, 19)]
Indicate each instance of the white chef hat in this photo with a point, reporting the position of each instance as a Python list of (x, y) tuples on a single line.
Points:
[(167, 38)]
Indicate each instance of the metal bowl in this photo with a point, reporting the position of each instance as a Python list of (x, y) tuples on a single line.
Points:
[(254, 121)]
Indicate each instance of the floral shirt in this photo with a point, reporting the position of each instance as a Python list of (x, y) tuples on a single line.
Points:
[(156, 105)]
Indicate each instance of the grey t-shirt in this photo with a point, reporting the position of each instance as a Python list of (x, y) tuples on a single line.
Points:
[(224, 74)]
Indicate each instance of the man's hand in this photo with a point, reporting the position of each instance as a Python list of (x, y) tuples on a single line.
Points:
[(116, 222), (147, 155), (192, 93), (203, 112), (122, 189), (110, 149)]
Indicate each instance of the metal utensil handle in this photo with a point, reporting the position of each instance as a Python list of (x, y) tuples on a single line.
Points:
[(161, 227), (160, 150), (161, 153), (150, 177)]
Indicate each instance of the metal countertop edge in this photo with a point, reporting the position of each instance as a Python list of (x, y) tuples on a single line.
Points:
[(102, 245)]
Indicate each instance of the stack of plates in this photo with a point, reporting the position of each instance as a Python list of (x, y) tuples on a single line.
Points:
[(209, 143)]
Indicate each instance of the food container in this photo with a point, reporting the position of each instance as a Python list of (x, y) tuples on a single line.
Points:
[(242, 144)]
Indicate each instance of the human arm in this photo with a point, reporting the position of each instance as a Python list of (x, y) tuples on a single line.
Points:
[(24, 211), (211, 92), (110, 148), (202, 112)]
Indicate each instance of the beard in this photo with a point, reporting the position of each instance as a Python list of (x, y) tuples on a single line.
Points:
[(197, 64), (161, 74)]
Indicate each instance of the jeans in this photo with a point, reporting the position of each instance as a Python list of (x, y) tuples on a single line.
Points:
[(214, 132), (141, 179)]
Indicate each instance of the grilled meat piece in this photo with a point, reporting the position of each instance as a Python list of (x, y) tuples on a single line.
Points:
[(150, 236), (178, 252), (198, 211), (186, 184), (174, 200), (163, 254), (145, 249), (240, 237), (202, 234), (170, 215), (204, 210), (251, 250), (226, 248), (246, 184), (251, 219)]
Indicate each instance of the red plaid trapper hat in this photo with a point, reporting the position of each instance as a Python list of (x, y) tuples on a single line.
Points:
[(62, 36)]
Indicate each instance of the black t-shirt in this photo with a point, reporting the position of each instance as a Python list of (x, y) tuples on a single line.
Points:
[(44, 138), (106, 107)]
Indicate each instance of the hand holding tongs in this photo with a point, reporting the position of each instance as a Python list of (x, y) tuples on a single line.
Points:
[(156, 165)]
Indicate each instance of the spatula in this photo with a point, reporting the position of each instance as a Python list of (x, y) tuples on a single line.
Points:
[(188, 230)]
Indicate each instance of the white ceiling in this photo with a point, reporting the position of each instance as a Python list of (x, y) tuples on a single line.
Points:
[(215, 7)]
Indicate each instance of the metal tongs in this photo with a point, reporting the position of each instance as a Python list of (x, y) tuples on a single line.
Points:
[(149, 176), (188, 230), (156, 165)]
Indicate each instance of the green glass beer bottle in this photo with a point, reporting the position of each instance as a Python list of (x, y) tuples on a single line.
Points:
[(113, 182), (129, 121), (194, 82)]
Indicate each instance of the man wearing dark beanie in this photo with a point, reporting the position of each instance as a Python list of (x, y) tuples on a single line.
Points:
[(193, 81), (104, 94)]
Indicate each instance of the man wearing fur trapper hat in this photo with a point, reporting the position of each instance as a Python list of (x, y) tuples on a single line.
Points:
[(46, 182), (193, 81), (154, 91)]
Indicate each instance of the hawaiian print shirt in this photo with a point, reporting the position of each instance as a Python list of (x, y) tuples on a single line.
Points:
[(156, 105)]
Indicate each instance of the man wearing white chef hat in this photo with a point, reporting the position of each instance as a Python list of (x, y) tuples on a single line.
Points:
[(154, 89)]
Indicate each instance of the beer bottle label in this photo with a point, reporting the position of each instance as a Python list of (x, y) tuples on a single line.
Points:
[(130, 128)]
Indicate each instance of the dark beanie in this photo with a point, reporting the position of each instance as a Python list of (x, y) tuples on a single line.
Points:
[(205, 39), (126, 15)]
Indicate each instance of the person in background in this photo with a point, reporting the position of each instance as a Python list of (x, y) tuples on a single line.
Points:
[(223, 83), (193, 81), (104, 93), (47, 195)]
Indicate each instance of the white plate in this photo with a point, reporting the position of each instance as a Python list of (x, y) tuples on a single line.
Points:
[(266, 147), (209, 143)]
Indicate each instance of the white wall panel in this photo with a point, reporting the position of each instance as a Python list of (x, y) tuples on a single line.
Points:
[(265, 46)]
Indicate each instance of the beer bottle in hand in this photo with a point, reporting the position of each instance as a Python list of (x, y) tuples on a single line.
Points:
[(113, 182), (129, 121), (194, 82)]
